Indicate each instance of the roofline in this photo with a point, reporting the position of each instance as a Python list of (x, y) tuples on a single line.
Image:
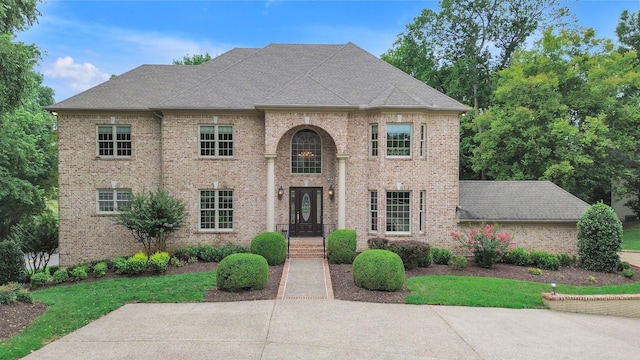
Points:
[(361, 107), (567, 221), (60, 109)]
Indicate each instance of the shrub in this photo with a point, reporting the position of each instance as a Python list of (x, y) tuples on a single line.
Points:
[(341, 246), (239, 272), (39, 279), (517, 256), (12, 265), (378, 269), (60, 276), (192, 260), (184, 253), (566, 260), (208, 253), (627, 273), (53, 268), (622, 265), (409, 251), (441, 256), (100, 269), (38, 238), (485, 244), (545, 260), (233, 249), (599, 238), (378, 243), (9, 292), (458, 262), (159, 262), (426, 261), (535, 271), (176, 262), (137, 264), (78, 273), (120, 265), (24, 296), (271, 245)]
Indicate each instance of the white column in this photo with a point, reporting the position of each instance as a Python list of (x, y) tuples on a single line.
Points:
[(271, 191), (342, 191)]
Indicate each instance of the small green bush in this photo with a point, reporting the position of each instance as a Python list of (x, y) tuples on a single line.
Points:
[(458, 262), (78, 273), (239, 272), (159, 262), (120, 265), (378, 243), (60, 276), (410, 252), (176, 262), (341, 246), (208, 253), (535, 271), (599, 238), (378, 269), (545, 260), (622, 265), (627, 273), (517, 256), (137, 264), (192, 260), (53, 268), (232, 249), (12, 265), (24, 296), (426, 261), (567, 260), (39, 279), (184, 254), (441, 256), (100, 269), (271, 245), (9, 292)]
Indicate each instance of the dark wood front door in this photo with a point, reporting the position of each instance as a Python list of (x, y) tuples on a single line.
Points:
[(305, 211)]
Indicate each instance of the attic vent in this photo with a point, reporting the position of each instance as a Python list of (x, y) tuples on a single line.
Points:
[(399, 118)]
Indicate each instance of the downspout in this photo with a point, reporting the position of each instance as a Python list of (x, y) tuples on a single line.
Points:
[(160, 116)]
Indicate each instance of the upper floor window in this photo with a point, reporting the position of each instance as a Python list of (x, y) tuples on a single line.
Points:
[(216, 140), (306, 153), (114, 140), (216, 209), (398, 212), (423, 140), (110, 200), (399, 140), (373, 140)]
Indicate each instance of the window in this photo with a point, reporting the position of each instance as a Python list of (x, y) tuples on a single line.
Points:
[(373, 141), (114, 140), (306, 153), (216, 140), (423, 140), (110, 200), (216, 209), (398, 212), (399, 140), (422, 196), (373, 211)]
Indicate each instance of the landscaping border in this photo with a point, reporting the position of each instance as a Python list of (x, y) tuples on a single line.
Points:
[(627, 305)]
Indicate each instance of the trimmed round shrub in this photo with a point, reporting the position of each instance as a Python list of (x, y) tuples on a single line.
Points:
[(39, 279), (441, 256), (137, 264), (410, 251), (270, 245), (120, 265), (12, 266), (159, 262), (240, 272), (60, 276), (341, 246), (545, 260), (517, 256), (378, 270), (425, 261), (599, 238), (78, 273), (100, 269)]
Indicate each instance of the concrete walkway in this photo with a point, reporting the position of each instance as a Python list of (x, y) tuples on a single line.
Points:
[(632, 257), (307, 324)]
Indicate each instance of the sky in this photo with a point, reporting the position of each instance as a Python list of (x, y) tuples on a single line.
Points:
[(84, 42)]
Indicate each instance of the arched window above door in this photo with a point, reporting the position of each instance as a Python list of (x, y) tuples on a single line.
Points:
[(306, 153)]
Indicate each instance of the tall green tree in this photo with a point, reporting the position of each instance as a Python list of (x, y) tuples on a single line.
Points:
[(563, 111), (458, 50), (628, 31), (196, 59)]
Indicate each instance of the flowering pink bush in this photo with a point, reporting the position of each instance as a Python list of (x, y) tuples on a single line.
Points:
[(486, 244)]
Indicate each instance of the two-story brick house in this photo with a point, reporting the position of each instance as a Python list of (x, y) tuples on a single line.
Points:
[(307, 137)]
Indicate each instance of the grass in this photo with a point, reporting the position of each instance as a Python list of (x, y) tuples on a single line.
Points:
[(494, 292), (631, 239), (71, 307)]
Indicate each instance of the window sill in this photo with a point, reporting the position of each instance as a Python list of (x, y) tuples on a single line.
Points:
[(399, 157), (114, 158), (105, 214), (214, 231), (208, 158), (398, 233)]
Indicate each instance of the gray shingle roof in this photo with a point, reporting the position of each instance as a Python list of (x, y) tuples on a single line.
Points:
[(517, 201), (278, 75)]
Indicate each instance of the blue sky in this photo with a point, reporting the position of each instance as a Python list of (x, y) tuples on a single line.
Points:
[(86, 41)]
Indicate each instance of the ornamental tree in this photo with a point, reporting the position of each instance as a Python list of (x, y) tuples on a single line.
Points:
[(486, 244), (599, 238), (151, 217)]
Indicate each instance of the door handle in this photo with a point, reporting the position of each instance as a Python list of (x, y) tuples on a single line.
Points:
[(298, 217)]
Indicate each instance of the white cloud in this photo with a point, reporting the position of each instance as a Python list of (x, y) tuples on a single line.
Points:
[(80, 76)]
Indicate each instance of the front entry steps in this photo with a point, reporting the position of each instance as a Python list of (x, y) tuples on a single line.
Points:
[(306, 248)]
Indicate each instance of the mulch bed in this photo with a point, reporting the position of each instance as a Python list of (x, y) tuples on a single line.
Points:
[(17, 316)]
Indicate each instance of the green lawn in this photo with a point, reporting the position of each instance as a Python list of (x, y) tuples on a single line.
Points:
[(73, 306), (631, 239)]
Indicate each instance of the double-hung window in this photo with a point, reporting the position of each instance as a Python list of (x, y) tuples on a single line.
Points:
[(111, 200), (114, 140), (399, 140), (216, 140), (422, 211), (373, 211), (423, 141), (216, 209), (398, 212), (373, 140)]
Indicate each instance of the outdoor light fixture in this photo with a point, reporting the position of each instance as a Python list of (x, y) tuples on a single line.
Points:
[(280, 192), (331, 192), (553, 287)]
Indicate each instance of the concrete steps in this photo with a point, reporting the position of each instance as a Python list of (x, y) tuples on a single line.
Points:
[(306, 248)]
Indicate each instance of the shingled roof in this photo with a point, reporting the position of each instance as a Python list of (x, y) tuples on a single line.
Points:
[(278, 75), (517, 201)]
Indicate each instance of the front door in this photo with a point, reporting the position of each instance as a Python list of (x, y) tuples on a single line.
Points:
[(305, 211)]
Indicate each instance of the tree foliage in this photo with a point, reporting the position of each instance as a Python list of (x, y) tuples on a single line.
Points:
[(196, 59), (628, 31), (599, 238), (565, 111), (18, 15), (38, 239), (151, 217)]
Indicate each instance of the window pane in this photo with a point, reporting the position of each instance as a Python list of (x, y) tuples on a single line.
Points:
[(398, 139), (105, 140), (207, 140), (225, 141), (122, 198), (398, 211), (374, 140), (373, 208), (105, 201), (306, 153)]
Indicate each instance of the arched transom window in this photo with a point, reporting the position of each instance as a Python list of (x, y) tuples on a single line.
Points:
[(306, 153)]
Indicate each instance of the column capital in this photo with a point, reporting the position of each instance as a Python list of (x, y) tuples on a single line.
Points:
[(342, 156), (270, 156)]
